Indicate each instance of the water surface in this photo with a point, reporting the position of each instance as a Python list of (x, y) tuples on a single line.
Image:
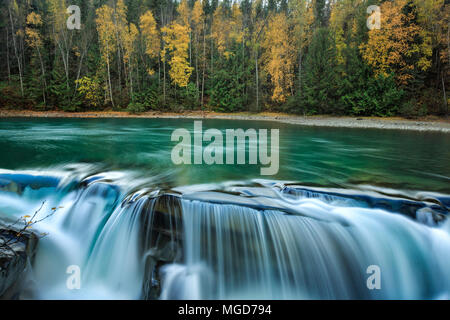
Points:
[(139, 227)]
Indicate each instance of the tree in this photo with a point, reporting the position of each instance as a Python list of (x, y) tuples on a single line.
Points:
[(176, 38), (198, 27), (108, 45), (129, 44), (279, 57), (261, 51), (397, 47), (319, 85), (151, 36), (14, 15), (90, 90), (34, 41), (302, 19), (61, 35)]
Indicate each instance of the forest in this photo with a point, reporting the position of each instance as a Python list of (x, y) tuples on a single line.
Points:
[(303, 57)]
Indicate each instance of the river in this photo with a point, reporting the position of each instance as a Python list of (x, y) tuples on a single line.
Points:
[(140, 227)]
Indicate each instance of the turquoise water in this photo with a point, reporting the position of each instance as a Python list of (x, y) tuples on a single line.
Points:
[(140, 227), (323, 156)]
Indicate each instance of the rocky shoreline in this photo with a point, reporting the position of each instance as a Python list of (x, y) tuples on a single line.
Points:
[(423, 125)]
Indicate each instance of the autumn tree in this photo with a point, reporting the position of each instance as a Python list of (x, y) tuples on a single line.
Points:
[(130, 36), (150, 36), (397, 47), (228, 80), (227, 28), (198, 27), (176, 38), (303, 56), (434, 19), (302, 19), (279, 57), (107, 41), (61, 35)]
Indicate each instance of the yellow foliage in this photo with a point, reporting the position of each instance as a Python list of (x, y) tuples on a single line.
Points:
[(184, 14), (279, 57), (225, 29), (150, 34), (176, 39), (197, 16), (388, 48), (33, 38), (105, 30), (34, 19), (58, 14), (129, 40), (303, 22), (90, 90)]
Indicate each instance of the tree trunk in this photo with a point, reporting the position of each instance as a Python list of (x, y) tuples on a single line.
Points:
[(164, 80), (119, 59), (197, 77), (79, 69), (109, 77), (257, 80), (204, 63), (44, 89), (212, 55), (19, 63), (7, 54), (64, 60), (445, 94), (190, 48), (300, 72)]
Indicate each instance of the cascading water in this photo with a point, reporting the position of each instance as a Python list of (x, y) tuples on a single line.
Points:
[(269, 254), (268, 242)]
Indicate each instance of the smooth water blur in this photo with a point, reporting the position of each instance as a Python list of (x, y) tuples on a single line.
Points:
[(140, 227), (308, 155)]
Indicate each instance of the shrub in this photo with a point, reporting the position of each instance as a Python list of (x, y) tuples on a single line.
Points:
[(144, 101)]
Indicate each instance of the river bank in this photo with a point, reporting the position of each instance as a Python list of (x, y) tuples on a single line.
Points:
[(434, 124)]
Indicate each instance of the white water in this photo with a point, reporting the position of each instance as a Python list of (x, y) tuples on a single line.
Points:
[(320, 250)]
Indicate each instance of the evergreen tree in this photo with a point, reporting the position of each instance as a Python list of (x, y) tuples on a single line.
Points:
[(319, 86)]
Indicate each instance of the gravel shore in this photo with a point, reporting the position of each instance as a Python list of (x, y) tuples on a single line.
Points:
[(435, 125)]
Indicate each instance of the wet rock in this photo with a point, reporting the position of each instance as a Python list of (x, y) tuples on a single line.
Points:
[(10, 186), (14, 259)]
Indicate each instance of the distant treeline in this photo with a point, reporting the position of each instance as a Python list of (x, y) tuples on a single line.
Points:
[(298, 56)]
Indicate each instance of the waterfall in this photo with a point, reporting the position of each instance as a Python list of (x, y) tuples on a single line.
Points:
[(235, 252), (261, 243)]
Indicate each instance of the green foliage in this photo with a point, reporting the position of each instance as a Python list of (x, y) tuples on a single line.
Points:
[(189, 96), (10, 96), (34, 86), (319, 84), (413, 109), (226, 92), (228, 83), (59, 90), (89, 90), (295, 105), (373, 97), (144, 101)]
